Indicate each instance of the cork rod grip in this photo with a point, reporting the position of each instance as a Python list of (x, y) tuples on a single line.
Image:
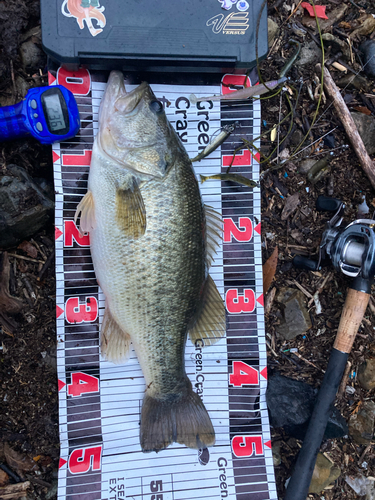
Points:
[(351, 317)]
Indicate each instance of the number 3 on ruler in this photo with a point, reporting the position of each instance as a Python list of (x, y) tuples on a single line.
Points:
[(237, 304), (82, 459), (82, 384)]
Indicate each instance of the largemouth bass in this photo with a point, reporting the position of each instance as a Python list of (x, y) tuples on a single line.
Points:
[(152, 241)]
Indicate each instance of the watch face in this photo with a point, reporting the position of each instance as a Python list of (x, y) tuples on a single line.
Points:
[(55, 112)]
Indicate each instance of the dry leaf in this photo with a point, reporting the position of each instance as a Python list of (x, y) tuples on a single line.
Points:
[(363, 109), (18, 461), (366, 28), (345, 25), (291, 203), (269, 270), (4, 478), (27, 247)]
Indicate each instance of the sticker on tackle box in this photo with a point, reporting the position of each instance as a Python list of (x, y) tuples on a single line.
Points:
[(100, 402)]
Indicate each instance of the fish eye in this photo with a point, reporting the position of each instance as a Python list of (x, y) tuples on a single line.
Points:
[(156, 107)]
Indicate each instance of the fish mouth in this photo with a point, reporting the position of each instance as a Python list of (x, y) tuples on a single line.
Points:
[(116, 97)]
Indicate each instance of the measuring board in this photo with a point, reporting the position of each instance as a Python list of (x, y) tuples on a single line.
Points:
[(100, 402)]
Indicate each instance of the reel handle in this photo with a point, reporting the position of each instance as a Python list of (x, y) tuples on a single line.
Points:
[(351, 317), (325, 203)]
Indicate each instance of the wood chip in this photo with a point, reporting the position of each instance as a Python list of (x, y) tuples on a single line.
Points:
[(13, 491), (291, 203)]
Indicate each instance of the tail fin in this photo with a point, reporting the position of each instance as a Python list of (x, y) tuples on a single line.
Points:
[(180, 418)]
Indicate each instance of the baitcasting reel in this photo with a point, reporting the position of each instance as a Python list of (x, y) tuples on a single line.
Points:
[(351, 249)]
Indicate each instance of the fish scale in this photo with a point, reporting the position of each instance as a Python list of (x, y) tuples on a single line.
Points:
[(148, 236)]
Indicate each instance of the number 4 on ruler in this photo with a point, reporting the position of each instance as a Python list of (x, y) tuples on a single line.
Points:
[(243, 374), (82, 383)]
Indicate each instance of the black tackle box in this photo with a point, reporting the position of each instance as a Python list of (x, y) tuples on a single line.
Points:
[(151, 35)]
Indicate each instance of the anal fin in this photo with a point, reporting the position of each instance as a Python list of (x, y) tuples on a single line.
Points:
[(86, 208), (115, 344), (210, 324)]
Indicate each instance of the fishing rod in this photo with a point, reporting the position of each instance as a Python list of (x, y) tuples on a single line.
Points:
[(351, 250)]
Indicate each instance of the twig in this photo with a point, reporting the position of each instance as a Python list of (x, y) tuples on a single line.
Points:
[(26, 258), (303, 290), (344, 380), (368, 447), (349, 125), (46, 265), (269, 300), (321, 287), (13, 491), (307, 361)]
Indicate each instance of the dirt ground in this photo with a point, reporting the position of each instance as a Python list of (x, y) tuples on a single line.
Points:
[(28, 383)]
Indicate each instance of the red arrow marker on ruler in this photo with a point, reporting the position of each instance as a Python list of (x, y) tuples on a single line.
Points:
[(59, 311), (58, 233), (260, 300)]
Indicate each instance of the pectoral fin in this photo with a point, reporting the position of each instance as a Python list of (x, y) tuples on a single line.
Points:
[(86, 208), (114, 342), (130, 211), (210, 325), (214, 231)]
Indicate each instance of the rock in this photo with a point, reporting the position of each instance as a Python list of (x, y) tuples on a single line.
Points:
[(290, 404), (358, 82), (276, 455), (368, 50), (366, 374), (306, 165), (52, 493), (22, 86), (296, 319), (310, 54), (366, 128), (24, 209), (361, 424), (32, 57), (337, 44), (324, 474), (273, 31), (297, 137), (362, 486)]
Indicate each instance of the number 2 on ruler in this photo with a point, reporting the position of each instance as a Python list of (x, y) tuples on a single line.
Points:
[(82, 383)]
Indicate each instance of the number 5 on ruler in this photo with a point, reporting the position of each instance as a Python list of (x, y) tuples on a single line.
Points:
[(82, 459)]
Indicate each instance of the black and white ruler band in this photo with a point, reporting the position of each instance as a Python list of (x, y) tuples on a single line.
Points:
[(100, 402)]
